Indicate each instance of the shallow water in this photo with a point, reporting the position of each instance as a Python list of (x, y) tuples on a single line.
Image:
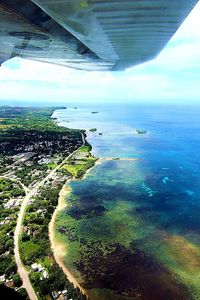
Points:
[(132, 227)]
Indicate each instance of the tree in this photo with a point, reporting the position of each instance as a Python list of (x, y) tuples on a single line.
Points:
[(16, 280), (25, 237), (35, 278), (11, 268), (23, 293), (9, 244)]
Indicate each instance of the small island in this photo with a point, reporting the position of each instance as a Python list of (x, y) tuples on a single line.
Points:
[(141, 131), (93, 129), (100, 133), (94, 112)]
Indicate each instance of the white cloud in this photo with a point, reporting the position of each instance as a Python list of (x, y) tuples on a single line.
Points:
[(174, 74)]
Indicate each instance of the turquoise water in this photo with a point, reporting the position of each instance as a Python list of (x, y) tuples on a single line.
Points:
[(136, 223)]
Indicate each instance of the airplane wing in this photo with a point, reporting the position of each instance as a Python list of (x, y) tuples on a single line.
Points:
[(89, 34)]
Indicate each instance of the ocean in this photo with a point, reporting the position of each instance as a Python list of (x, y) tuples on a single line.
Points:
[(134, 224)]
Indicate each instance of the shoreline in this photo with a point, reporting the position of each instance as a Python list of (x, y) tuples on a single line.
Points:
[(57, 247)]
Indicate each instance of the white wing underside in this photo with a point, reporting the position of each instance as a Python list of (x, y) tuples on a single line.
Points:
[(89, 34)]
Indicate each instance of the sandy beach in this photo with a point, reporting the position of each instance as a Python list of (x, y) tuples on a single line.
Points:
[(59, 249)]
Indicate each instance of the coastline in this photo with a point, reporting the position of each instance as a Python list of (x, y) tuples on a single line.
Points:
[(63, 248), (58, 248)]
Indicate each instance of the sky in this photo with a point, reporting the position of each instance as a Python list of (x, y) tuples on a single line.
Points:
[(174, 76)]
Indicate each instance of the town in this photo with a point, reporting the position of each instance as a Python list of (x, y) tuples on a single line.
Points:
[(37, 157)]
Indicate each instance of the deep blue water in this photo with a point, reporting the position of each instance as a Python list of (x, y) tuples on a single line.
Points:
[(169, 152), (163, 184), (171, 144)]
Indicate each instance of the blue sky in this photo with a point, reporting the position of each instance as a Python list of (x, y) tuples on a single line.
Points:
[(174, 76)]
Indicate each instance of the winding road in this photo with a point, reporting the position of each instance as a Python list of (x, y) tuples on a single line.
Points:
[(29, 194)]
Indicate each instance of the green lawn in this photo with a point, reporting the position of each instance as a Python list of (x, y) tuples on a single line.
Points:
[(28, 248), (79, 170), (52, 166), (85, 149)]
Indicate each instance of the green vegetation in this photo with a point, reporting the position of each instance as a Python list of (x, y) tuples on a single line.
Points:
[(141, 131), (32, 129), (79, 163), (93, 129), (10, 189), (31, 145), (23, 293), (86, 148), (52, 166), (28, 117), (11, 194), (77, 170), (35, 245), (17, 280)]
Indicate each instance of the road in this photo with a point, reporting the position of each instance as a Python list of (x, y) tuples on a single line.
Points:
[(29, 194), (16, 180)]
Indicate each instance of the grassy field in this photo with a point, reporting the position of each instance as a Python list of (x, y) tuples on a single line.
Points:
[(85, 148), (29, 248), (78, 169)]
